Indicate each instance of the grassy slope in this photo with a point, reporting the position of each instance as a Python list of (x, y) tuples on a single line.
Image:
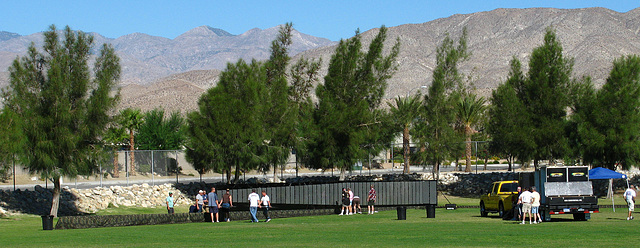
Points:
[(461, 227)]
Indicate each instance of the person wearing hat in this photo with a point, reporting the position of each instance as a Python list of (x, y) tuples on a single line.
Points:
[(170, 203), (199, 201)]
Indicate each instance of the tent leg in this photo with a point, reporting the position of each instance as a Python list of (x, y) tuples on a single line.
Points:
[(611, 190)]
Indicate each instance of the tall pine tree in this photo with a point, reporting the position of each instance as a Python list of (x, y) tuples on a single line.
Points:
[(61, 105), (347, 111)]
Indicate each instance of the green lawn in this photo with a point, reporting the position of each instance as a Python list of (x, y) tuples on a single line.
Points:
[(461, 227)]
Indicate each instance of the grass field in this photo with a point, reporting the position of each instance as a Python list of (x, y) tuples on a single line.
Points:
[(450, 228)]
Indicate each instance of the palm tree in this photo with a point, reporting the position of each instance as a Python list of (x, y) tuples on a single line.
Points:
[(131, 120), (114, 137), (405, 111), (470, 111)]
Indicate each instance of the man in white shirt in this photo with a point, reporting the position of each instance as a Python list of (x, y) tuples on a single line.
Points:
[(200, 201), (535, 206), (254, 200), (526, 199), (265, 204), (630, 197)]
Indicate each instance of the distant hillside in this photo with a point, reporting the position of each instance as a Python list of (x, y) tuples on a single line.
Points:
[(146, 58), (593, 36)]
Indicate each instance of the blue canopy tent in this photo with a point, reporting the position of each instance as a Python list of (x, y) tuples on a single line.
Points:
[(604, 173)]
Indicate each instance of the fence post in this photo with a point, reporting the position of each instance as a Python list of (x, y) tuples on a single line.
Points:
[(152, 165)]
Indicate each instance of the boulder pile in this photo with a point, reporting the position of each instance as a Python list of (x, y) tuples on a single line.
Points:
[(76, 201)]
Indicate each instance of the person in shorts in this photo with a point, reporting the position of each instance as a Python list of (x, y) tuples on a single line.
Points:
[(356, 205), (371, 200), (630, 197), (345, 202), (535, 206), (526, 200), (351, 209), (214, 205)]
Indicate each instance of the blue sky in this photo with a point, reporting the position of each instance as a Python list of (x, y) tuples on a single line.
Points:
[(329, 19)]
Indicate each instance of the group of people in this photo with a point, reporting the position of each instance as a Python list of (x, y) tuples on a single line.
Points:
[(351, 202), (528, 204), (211, 201)]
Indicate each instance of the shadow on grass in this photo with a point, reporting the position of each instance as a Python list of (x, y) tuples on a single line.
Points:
[(38, 201)]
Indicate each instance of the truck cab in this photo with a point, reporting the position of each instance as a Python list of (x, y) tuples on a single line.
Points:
[(500, 199)]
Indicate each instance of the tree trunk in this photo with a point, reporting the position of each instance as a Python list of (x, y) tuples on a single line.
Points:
[(342, 174), (132, 166), (229, 174), (405, 143), (55, 202), (486, 158), (467, 132), (275, 173), (509, 161), (116, 168), (237, 173)]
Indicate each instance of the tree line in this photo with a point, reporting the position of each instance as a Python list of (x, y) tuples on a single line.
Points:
[(60, 120)]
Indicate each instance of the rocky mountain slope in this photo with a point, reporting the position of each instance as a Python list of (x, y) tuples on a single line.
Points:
[(594, 37), (146, 58)]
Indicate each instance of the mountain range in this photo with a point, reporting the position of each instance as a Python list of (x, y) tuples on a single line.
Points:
[(161, 72)]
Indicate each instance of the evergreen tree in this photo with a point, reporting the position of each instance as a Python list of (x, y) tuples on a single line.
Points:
[(436, 133), (545, 96), (227, 129), (607, 121), (347, 101), (61, 106), (278, 116), (508, 120), (11, 141), (304, 74)]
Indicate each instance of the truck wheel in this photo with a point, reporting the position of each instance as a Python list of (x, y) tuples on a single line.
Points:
[(501, 210), (483, 211), (580, 216)]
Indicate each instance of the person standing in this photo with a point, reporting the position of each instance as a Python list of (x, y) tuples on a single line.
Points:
[(517, 209), (535, 206), (345, 202), (265, 204), (214, 204), (169, 201), (253, 205), (630, 197), (526, 199), (200, 201), (227, 203), (351, 209), (371, 200)]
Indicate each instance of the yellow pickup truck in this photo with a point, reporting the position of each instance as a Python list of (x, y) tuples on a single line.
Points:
[(500, 199)]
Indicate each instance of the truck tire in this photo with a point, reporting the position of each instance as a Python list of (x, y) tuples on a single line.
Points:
[(501, 210), (580, 216), (483, 211)]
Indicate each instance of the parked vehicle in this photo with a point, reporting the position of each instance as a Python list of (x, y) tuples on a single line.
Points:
[(563, 190), (500, 199)]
